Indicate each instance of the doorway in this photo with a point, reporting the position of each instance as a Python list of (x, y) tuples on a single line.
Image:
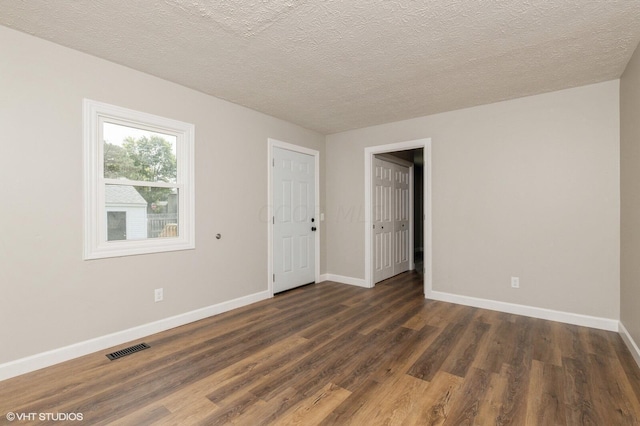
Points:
[(294, 241), (422, 215)]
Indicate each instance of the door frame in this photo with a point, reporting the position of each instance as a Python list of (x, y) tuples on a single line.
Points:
[(274, 143), (369, 153)]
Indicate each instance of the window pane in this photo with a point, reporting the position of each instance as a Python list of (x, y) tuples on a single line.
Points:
[(140, 212), (138, 154), (116, 226)]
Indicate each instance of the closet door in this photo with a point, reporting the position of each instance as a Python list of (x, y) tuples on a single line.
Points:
[(382, 220), (401, 213)]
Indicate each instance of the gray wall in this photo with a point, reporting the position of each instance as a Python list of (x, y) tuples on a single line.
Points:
[(630, 197), (527, 187), (50, 297)]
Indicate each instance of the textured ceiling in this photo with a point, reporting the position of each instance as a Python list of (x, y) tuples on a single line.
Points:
[(333, 65)]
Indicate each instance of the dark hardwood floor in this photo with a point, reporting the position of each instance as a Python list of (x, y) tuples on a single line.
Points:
[(333, 354)]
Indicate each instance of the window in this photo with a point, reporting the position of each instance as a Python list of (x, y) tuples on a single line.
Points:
[(139, 195)]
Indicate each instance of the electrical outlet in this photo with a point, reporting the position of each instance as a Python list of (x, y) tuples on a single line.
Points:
[(158, 295), (515, 282)]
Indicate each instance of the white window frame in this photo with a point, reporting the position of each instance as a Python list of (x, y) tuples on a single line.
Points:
[(96, 245)]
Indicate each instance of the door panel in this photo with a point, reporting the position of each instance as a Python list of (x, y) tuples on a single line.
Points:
[(401, 219), (383, 219), (293, 204), (391, 215)]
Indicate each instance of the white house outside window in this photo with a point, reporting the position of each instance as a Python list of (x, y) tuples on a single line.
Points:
[(139, 195)]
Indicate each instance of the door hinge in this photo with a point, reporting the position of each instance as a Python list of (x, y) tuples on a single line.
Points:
[(273, 219), (374, 227), (274, 278), (273, 162)]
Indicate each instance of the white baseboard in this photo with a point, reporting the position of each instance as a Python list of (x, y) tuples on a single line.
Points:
[(55, 356), (631, 344), (322, 278), (529, 311), (346, 280)]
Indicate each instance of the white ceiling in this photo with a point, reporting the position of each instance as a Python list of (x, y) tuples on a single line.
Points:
[(333, 65)]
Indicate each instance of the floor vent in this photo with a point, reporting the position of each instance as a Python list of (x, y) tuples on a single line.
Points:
[(127, 351)]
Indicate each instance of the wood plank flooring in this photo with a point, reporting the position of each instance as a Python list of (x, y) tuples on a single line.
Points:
[(332, 354)]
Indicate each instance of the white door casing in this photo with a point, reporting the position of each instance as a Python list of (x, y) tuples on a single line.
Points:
[(294, 219), (369, 158)]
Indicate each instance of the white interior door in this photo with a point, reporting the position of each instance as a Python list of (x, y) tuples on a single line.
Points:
[(382, 219), (401, 219), (294, 222), (391, 219)]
